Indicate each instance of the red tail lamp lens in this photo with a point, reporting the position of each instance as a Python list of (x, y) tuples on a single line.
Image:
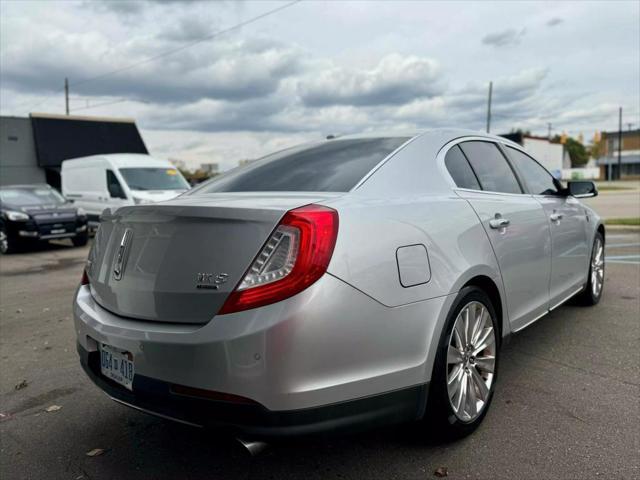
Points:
[(296, 255)]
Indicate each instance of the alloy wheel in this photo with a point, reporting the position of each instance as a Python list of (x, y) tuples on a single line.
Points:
[(597, 267), (471, 361)]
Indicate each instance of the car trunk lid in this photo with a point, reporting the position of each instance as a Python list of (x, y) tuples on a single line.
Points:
[(177, 261)]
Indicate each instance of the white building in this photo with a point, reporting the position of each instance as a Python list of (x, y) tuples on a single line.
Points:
[(179, 164), (552, 156), (210, 168)]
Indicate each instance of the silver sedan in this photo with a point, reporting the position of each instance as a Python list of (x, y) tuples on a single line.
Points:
[(341, 284)]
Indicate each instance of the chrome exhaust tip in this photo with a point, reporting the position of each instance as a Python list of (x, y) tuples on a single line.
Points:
[(254, 447)]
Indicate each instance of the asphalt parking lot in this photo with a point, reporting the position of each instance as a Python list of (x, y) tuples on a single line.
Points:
[(567, 404)]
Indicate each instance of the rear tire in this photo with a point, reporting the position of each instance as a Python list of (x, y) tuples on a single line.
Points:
[(80, 240), (592, 292), (466, 365)]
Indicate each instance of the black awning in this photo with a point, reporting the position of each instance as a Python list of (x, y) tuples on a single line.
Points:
[(58, 138)]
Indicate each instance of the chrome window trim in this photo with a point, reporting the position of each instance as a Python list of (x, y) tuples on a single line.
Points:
[(440, 158), (383, 161), (491, 192), (527, 154)]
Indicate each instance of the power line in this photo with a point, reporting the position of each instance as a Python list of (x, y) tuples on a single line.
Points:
[(102, 104), (168, 52), (45, 99), (489, 107), (188, 45)]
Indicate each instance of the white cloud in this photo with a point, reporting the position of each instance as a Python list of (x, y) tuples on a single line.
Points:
[(316, 69), (396, 79)]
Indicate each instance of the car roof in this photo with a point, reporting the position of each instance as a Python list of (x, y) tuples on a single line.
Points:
[(25, 186), (425, 134), (120, 160)]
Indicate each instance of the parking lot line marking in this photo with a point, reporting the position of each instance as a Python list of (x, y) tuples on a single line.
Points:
[(626, 262), (620, 245), (622, 257)]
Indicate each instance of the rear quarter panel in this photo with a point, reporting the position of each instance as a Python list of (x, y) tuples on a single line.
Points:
[(371, 230)]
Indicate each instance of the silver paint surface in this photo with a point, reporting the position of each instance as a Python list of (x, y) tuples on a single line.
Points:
[(357, 331)]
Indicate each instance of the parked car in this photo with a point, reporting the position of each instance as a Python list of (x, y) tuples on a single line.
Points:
[(351, 282), (116, 180), (33, 213)]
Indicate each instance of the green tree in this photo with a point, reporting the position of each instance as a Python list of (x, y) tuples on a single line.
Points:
[(577, 152)]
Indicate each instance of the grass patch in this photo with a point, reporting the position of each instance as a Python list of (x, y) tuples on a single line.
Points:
[(612, 188), (623, 221)]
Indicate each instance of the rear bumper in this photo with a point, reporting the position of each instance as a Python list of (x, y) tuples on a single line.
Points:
[(327, 357), (158, 398)]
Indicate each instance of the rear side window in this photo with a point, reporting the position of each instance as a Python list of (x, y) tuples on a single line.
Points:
[(333, 166), (460, 170), (538, 180), (491, 167)]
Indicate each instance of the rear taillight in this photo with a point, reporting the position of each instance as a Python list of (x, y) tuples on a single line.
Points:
[(294, 257), (85, 278)]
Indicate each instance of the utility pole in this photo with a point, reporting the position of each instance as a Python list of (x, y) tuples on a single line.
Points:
[(549, 131), (620, 143), (629, 125), (66, 95), (489, 107)]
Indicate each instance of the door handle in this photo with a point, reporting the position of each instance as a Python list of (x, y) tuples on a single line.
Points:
[(556, 217), (499, 223)]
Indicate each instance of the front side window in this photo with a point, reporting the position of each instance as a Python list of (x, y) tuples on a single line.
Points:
[(538, 180), (114, 187), (460, 170), (333, 166), (154, 178), (491, 167)]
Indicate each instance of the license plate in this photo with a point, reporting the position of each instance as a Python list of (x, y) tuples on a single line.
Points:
[(117, 365), (58, 230)]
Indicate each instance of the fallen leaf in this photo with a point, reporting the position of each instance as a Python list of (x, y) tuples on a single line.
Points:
[(21, 385), (53, 408), (441, 472), (96, 452)]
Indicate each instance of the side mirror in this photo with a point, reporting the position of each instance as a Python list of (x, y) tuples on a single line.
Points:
[(582, 189)]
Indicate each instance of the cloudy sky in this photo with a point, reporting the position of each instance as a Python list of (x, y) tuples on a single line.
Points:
[(320, 67)]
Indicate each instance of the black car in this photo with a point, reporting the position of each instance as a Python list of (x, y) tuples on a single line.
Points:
[(32, 213)]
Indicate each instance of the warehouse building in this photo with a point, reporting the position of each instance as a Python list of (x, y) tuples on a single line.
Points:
[(628, 167), (553, 156), (33, 148)]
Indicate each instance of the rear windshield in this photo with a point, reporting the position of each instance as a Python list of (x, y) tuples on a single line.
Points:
[(333, 166), (30, 197), (154, 178)]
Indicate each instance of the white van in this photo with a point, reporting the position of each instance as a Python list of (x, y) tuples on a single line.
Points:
[(115, 180)]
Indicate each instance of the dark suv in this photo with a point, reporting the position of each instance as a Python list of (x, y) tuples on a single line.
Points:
[(31, 213)]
